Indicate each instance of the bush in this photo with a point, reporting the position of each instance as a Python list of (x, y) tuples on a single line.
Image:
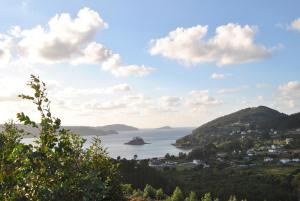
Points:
[(56, 167)]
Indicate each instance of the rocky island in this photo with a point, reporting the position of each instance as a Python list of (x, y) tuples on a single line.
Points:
[(136, 141)]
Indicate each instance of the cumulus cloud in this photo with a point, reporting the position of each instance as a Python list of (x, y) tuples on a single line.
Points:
[(290, 87), (289, 94), (231, 44), (71, 92), (106, 105), (199, 99), (219, 76), (66, 40), (115, 66), (296, 25), (170, 101), (5, 48)]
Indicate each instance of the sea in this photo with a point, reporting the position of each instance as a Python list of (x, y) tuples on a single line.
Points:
[(160, 143)]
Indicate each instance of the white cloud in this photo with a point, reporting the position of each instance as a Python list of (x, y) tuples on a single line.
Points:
[(232, 44), (105, 105), (289, 94), (5, 48), (219, 76), (296, 25), (290, 87), (232, 90), (200, 99), (170, 101), (66, 40), (168, 104), (70, 92), (115, 66)]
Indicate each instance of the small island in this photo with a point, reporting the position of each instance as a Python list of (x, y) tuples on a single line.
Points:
[(165, 127), (136, 141)]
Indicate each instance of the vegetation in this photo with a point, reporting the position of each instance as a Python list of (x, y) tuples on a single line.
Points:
[(267, 182), (56, 167)]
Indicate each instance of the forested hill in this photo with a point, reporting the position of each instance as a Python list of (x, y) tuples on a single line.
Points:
[(257, 119)]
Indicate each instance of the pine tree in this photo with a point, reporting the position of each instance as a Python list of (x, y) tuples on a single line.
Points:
[(177, 195), (160, 194), (206, 197), (149, 192), (192, 196)]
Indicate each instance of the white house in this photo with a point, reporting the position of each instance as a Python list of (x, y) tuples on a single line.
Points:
[(285, 160), (288, 140), (268, 159)]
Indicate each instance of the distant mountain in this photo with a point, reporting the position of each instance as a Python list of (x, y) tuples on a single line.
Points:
[(118, 127), (165, 127), (85, 130), (250, 119)]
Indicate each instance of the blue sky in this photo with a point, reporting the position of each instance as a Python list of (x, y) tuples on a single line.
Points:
[(182, 83)]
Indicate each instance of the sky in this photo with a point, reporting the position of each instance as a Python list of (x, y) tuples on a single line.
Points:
[(150, 63)]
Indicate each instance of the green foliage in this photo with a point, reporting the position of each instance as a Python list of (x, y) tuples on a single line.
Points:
[(127, 189), (149, 192), (232, 198), (56, 167), (160, 194), (177, 195), (206, 197), (254, 183), (139, 174), (192, 196)]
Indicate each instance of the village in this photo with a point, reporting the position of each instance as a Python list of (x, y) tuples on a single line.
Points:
[(279, 149)]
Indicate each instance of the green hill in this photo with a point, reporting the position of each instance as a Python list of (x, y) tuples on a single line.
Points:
[(256, 120)]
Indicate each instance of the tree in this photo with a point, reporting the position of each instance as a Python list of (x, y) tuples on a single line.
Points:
[(232, 198), (149, 192), (192, 196), (206, 197), (160, 194), (177, 195), (56, 167)]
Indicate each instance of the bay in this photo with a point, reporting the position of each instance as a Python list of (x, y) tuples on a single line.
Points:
[(160, 143)]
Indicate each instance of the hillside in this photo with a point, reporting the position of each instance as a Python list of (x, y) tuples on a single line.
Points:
[(118, 127), (165, 127), (256, 120), (85, 130)]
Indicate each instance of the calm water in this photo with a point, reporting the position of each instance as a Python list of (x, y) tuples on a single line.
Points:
[(160, 140)]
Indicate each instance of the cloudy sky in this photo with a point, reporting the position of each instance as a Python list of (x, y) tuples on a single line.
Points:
[(150, 63)]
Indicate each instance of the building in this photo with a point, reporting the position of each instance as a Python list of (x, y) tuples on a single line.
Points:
[(285, 160), (268, 159), (288, 140), (197, 162)]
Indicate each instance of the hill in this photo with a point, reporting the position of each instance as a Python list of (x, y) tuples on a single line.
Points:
[(118, 127), (256, 120), (165, 127), (85, 130)]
